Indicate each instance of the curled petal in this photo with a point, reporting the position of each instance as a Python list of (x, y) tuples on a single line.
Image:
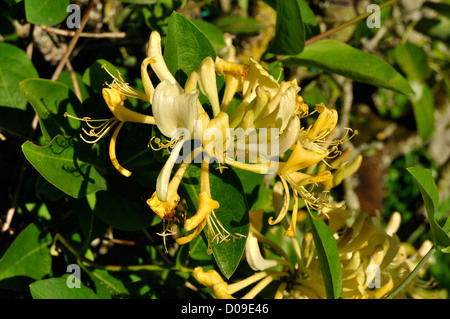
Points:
[(205, 206), (325, 123), (112, 152), (253, 255), (207, 83), (159, 65), (302, 157), (115, 102), (162, 183)]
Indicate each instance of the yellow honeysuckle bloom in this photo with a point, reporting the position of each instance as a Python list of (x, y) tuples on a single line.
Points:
[(373, 261)]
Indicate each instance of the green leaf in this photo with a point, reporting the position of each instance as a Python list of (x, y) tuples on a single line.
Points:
[(232, 213), (413, 60), (96, 75), (289, 31), (46, 12), (186, 47), (28, 258), (430, 195), (66, 165), (423, 106), (312, 27), (50, 101), (239, 25), (57, 288), (15, 66), (337, 57), (329, 261), (213, 33), (120, 212), (106, 285)]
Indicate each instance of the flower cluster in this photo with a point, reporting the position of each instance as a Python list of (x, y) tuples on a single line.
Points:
[(254, 136), (373, 261)]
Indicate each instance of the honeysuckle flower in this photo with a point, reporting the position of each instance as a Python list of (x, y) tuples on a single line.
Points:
[(373, 261), (115, 101)]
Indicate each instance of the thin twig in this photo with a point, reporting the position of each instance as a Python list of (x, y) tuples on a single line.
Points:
[(70, 33), (73, 78), (72, 43), (344, 25)]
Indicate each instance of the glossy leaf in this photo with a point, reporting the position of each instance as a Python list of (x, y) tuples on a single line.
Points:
[(50, 101), (68, 166), (233, 213), (430, 195), (15, 66), (57, 288), (186, 47), (329, 261), (46, 12), (337, 57), (290, 30), (28, 258)]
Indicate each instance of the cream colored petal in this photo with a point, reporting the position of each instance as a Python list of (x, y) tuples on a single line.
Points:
[(173, 109), (289, 135), (159, 66), (207, 83), (162, 183), (253, 255)]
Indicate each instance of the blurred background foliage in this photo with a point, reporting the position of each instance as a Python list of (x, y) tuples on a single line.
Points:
[(395, 130)]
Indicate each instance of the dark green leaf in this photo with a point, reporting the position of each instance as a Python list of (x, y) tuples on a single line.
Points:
[(337, 57), (290, 30), (46, 12), (57, 288), (50, 101), (66, 165), (430, 195), (96, 75), (329, 261), (233, 213), (441, 8), (122, 213), (186, 47), (15, 66), (28, 258)]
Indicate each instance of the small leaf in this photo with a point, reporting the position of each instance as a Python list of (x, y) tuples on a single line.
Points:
[(66, 165), (57, 288), (430, 195), (232, 213), (290, 30), (28, 258), (46, 12), (50, 101), (337, 57), (186, 47), (329, 261), (15, 66)]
